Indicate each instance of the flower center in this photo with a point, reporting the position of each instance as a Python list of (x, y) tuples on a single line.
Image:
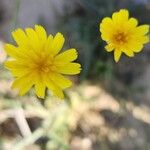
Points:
[(43, 65), (120, 38)]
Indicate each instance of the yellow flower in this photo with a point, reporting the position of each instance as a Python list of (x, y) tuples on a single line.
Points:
[(123, 35), (36, 61)]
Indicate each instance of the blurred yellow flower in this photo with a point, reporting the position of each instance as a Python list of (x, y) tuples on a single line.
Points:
[(123, 35), (36, 61)]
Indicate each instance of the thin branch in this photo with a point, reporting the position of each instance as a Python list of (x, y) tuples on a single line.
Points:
[(21, 121)]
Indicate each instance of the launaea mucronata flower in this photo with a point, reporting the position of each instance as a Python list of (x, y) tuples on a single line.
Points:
[(123, 35), (36, 62)]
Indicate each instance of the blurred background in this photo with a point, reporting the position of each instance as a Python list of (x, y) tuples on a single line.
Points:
[(108, 108)]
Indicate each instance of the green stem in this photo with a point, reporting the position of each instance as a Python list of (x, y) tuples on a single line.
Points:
[(17, 12), (30, 139), (42, 131)]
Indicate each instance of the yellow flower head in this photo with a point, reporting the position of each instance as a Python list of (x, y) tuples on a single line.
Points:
[(36, 61), (123, 35)]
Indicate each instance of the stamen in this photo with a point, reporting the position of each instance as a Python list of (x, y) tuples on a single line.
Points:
[(120, 38), (42, 66)]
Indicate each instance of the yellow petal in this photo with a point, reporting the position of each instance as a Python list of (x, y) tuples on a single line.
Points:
[(23, 84), (142, 30), (57, 91), (17, 68), (11, 50), (129, 53), (109, 47), (40, 89), (20, 37), (48, 44), (106, 23), (62, 82), (137, 48), (132, 22), (15, 52), (117, 54), (142, 39), (105, 28), (15, 64), (67, 56), (121, 16), (41, 33), (70, 68), (34, 42), (19, 72), (145, 39), (124, 14), (58, 43)]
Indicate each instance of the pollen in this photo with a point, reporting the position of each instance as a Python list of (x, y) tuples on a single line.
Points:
[(41, 66), (120, 38)]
